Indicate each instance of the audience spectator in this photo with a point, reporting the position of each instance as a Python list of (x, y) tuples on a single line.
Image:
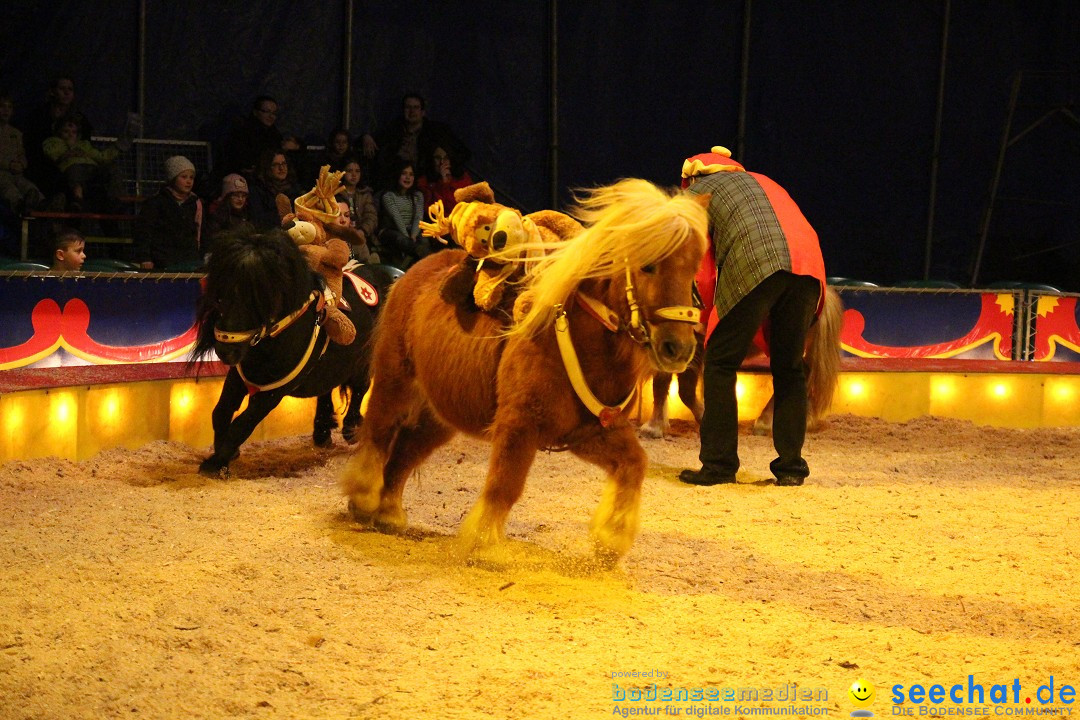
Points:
[(271, 179), (358, 246), (411, 137), (361, 202), (400, 241), (20, 194), (91, 179), (39, 125), (169, 227), (69, 251), (338, 151), (443, 177), (230, 212), (252, 136)]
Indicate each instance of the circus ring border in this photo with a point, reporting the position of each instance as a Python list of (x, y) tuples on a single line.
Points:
[(76, 412), (1000, 394)]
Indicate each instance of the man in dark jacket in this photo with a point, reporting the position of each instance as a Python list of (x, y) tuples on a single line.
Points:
[(252, 136), (412, 137)]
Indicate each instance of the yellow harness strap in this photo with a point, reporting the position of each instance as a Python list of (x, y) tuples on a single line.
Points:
[(606, 413), (253, 388)]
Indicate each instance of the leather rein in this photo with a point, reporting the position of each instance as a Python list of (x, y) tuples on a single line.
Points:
[(254, 337), (638, 328)]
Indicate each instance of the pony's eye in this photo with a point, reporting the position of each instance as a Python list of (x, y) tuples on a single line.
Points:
[(648, 269)]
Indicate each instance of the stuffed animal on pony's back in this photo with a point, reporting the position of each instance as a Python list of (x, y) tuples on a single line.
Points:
[(313, 223), (489, 233)]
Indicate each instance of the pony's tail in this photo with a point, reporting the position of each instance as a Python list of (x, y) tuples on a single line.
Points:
[(205, 318), (823, 357)]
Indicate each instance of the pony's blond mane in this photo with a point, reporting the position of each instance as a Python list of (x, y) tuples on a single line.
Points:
[(629, 222)]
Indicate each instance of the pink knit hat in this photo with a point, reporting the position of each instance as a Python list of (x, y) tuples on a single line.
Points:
[(233, 183)]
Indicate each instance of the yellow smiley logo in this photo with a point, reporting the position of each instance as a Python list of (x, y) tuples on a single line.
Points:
[(861, 693)]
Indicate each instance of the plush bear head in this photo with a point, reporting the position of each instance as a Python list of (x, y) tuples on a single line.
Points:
[(303, 232), (477, 223)]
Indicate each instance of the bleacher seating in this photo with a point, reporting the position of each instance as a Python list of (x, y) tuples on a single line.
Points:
[(109, 265), (142, 168), (849, 282), (122, 222), (23, 265), (142, 173)]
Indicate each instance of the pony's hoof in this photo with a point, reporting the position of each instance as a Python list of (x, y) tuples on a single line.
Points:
[(321, 438), (391, 521), (211, 468), (651, 431), (606, 558), (360, 515), (351, 432), (763, 429), (609, 547)]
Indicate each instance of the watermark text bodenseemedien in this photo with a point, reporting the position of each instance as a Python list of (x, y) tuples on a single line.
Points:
[(789, 692)]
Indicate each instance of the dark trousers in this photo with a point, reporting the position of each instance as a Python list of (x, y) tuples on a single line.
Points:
[(401, 250), (789, 302)]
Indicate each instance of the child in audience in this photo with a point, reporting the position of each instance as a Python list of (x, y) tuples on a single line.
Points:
[(402, 208), (361, 202), (69, 251), (88, 172), (169, 227), (338, 152), (229, 213), (21, 194), (358, 246)]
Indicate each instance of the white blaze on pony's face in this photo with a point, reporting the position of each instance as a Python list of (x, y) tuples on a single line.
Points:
[(664, 290), (668, 284)]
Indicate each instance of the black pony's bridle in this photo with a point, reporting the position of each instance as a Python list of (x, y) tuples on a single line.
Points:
[(230, 337), (253, 337)]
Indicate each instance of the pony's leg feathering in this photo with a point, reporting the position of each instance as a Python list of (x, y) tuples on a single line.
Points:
[(512, 455), (362, 480), (615, 523), (413, 444)]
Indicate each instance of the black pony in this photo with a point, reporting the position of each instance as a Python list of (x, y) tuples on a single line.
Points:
[(261, 312)]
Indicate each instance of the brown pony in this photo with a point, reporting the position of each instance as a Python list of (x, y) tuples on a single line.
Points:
[(822, 356), (619, 295)]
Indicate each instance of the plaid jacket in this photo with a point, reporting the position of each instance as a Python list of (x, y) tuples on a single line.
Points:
[(756, 230)]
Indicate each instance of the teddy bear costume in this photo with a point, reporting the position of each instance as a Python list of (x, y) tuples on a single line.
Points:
[(483, 228), (313, 224)]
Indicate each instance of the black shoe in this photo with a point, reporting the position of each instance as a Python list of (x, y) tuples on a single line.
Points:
[(705, 477), (789, 480)]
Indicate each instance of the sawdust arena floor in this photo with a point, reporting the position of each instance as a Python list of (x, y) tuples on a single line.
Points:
[(922, 552)]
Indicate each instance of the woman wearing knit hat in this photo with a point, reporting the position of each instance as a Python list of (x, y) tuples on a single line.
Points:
[(169, 227)]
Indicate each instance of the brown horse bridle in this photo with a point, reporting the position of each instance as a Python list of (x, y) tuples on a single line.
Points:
[(639, 330)]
